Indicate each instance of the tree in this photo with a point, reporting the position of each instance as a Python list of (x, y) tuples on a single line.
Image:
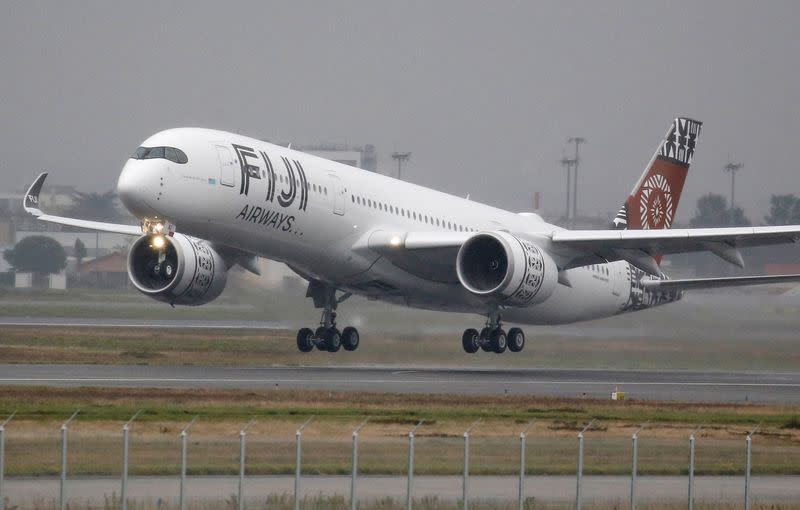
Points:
[(712, 211), (783, 210), (95, 206), (37, 254), (79, 250)]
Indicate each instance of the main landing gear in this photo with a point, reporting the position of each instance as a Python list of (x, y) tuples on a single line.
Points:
[(492, 338), (327, 336)]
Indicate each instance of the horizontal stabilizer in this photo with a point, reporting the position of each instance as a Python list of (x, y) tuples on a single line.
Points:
[(715, 283)]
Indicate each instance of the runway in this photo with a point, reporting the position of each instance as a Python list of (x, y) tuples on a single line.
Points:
[(688, 386)]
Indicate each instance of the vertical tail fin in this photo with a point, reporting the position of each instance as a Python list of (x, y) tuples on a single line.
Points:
[(654, 200)]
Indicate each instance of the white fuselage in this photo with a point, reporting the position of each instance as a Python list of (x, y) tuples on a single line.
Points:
[(227, 195)]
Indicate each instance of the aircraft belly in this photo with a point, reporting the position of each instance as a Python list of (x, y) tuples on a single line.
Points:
[(590, 297)]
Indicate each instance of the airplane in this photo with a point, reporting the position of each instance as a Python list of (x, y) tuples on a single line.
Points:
[(207, 200)]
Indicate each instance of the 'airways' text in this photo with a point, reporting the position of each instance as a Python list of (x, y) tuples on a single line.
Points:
[(266, 217)]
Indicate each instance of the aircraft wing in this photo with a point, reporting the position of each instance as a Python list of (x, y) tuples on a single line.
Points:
[(31, 205), (640, 247), (428, 255), (715, 283)]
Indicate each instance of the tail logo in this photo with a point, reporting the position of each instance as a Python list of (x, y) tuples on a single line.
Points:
[(656, 205)]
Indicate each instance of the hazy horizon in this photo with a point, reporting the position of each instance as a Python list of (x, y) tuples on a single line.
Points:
[(483, 95)]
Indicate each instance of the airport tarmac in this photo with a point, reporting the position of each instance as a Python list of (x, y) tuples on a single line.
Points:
[(547, 488), (688, 386)]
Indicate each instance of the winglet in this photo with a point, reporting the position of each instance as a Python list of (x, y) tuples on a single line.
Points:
[(31, 200)]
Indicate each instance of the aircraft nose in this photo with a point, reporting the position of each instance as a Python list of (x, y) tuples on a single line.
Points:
[(132, 187)]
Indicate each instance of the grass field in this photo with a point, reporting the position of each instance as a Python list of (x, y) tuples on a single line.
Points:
[(95, 437)]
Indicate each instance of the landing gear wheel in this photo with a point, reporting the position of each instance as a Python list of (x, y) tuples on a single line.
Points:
[(470, 341), (485, 340), (498, 341), (319, 334), (515, 339), (350, 338), (305, 340), (333, 340)]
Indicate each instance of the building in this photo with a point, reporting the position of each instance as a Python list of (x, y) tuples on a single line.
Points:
[(107, 272), (360, 157)]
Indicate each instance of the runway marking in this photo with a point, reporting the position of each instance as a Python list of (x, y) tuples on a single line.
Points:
[(385, 381)]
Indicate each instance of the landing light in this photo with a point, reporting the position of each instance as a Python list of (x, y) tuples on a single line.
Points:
[(159, 242), (395, 241)]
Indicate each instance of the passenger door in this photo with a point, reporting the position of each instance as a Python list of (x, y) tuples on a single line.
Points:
[(227, 166), (339, 193)]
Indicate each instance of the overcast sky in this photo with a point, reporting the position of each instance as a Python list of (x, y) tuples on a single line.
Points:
[(484, 95)]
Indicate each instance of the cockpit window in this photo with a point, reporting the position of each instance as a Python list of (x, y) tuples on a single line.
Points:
[(171, 153)]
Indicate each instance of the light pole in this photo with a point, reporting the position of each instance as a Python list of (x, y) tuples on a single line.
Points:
[(732, 168), (577, 140), (567, 163), (400, 157)]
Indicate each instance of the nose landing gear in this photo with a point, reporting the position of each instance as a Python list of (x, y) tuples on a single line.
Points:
[(493, 337)]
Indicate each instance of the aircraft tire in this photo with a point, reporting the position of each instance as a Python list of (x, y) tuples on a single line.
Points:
[(305, 340), (515, 339), (499, 341), (486, 340), (470, 341), (333, 340), (350, 338)]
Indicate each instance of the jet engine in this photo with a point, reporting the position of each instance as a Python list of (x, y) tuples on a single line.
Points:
[(503, 267), (178, 269)]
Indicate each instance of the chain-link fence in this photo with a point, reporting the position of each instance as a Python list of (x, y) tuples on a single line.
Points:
[(348, 463)]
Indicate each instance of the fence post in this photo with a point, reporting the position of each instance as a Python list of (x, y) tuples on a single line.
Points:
[(3, 459), (62, 500), (522, 437), (183, 436), (634, 462), (354, 474), (298, 445), (579, 476), (123, 492), (748, 466), (242, 435), (465, 480), (410, 479), (691, 472)]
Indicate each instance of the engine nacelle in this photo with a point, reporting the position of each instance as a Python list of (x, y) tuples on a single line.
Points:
[(179, 269), (504, 267)]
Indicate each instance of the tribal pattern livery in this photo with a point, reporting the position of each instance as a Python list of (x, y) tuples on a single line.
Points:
[(203, 271), (532, 278), (654, 200), (681, 141), (640, 297)]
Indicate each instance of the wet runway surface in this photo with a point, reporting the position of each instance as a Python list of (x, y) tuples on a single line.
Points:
[(693, 386)]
